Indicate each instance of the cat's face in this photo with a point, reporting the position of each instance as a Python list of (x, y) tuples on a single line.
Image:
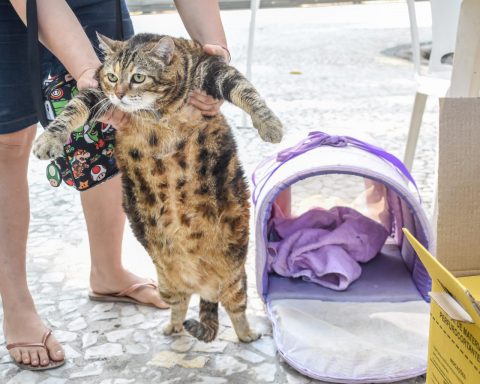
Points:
[(136, 74)]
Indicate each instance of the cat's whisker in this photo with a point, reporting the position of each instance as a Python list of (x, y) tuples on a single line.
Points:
[(99, 102), (101, 107), (100, 112)]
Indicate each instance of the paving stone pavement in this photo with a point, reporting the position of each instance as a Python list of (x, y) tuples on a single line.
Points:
[(344, 84)]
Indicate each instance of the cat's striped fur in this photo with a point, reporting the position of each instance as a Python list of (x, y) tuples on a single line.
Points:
[(185, 193)]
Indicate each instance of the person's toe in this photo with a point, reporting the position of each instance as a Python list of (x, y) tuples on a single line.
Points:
[(34, 358), (43, 357), (16, 354), (55, 350), (25, 357)]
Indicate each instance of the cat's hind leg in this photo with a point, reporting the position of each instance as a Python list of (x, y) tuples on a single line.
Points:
[(234, 300), (179, 306)]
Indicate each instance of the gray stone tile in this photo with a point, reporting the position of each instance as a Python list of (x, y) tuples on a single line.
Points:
[(77, 325), (265, 345), (89, 339), (210, 380), (52, 277), (137, 349), (249, 356), (103, 351), (53, 380), (265, 373), (65, 336), (71, 352), (133, 320), (182, 344), (96, 316), (92, 369), (229, 365), (102, 307), (169, 359), (215, 346), (24, 377), (120, 334)]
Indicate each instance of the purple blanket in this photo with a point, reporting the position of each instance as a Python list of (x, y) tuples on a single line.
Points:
[(324, 247)]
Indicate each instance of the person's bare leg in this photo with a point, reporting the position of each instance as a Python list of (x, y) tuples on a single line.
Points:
[(21, 321), (102, 207)]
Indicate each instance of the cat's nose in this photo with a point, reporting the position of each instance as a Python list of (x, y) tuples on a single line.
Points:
[(120, 93)]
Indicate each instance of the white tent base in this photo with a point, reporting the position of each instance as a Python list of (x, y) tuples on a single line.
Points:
[(352, 342)]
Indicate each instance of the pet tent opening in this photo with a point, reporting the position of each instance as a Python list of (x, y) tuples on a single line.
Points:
[(317, 205)]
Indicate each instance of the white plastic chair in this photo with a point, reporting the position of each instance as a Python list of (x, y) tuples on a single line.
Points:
[(436, 81), (254, 6)]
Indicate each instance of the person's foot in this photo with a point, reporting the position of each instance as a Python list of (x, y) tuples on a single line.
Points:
[(117, 281), (25, 326)]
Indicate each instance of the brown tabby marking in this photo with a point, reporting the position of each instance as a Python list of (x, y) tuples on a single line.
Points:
[(185, 192)]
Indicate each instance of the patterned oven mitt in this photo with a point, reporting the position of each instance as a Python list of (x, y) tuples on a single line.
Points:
[(88, 159)]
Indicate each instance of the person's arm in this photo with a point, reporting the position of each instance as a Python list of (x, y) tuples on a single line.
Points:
[(71, 46), (62, 34), (203, 23)]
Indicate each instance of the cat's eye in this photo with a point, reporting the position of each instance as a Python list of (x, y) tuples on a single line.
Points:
[(138, 78), (111, 77)]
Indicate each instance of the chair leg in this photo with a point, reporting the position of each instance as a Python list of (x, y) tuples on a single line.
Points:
[(415, 123)]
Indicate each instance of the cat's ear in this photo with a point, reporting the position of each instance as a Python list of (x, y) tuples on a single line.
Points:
[(164, 49), (108, 45)]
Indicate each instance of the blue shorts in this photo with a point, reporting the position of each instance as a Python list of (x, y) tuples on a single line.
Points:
[(16, 106)]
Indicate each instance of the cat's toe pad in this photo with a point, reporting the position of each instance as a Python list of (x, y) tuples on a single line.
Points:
[(47, 147), (169, 329)]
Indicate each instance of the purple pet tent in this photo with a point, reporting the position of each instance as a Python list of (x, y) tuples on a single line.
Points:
[(376, 330)]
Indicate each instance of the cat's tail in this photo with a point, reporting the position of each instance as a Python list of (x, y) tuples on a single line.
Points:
[(207, 328)]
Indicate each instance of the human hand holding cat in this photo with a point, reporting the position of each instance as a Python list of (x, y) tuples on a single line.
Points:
[(207, 105), (87, 78), (218, 50), (199, 99)]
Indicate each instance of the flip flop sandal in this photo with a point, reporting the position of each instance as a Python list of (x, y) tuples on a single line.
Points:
[(51, 365), (123, 296)]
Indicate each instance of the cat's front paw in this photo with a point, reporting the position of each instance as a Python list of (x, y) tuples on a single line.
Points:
[(270, 129), (48, 146)]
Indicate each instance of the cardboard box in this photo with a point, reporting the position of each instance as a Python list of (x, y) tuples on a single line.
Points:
[(454, 339), (458, 222)]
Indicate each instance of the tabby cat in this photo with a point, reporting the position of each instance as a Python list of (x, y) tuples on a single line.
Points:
[(184, 190)]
